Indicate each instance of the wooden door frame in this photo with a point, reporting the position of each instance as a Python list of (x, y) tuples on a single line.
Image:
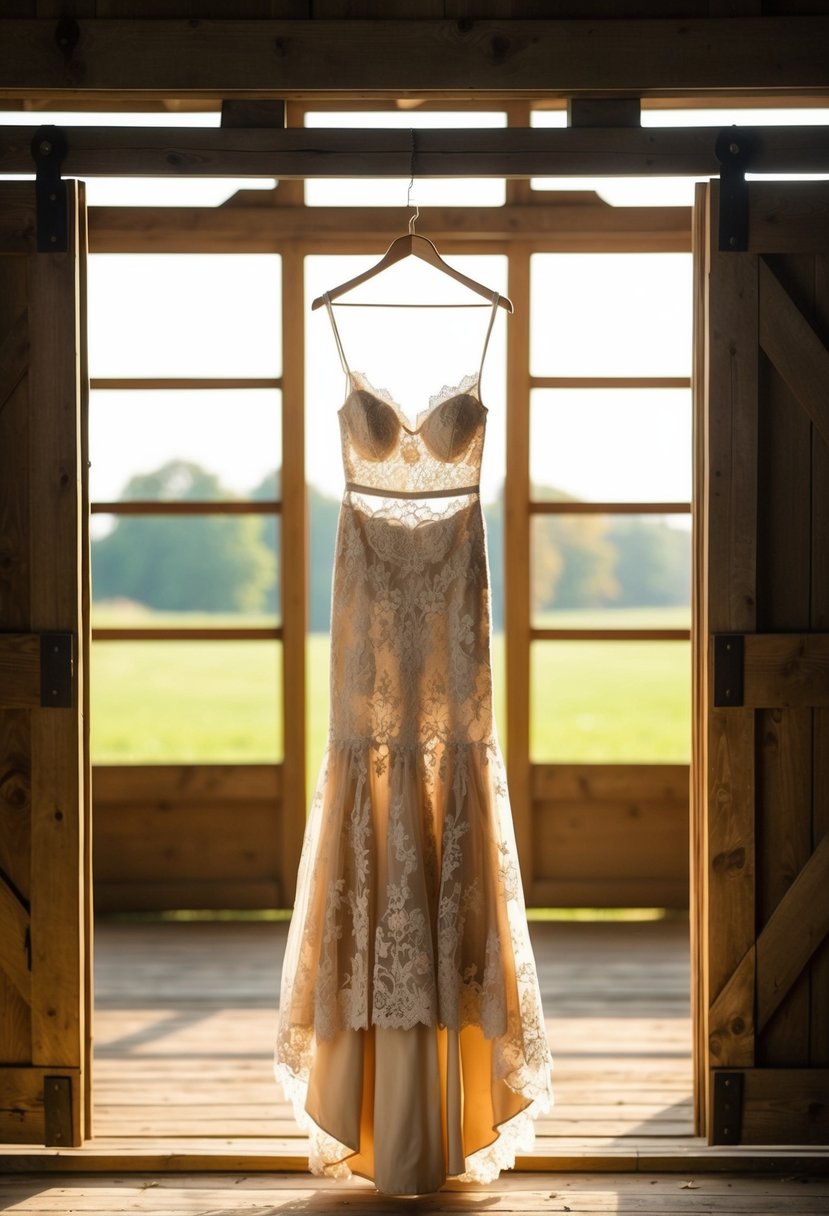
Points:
[(698, 909)]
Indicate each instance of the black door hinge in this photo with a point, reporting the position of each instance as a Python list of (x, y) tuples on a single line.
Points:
[(734, 149), (57, 670), (49, 148)]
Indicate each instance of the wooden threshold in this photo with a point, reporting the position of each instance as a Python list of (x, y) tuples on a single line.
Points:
[(685, 1155)]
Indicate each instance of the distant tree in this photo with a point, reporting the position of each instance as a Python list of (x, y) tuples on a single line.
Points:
[(653, 562), (210, 563)]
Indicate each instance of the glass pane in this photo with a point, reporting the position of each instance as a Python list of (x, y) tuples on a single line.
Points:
[(393, 192), (611, 445), (230, 441), (610, 702), (184, 314), (611, 314), (586, 569), (214, 569), (185, 444), (173, 702)]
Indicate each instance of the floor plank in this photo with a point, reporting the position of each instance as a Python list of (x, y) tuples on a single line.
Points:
[(185, 1015), (527, 1194)]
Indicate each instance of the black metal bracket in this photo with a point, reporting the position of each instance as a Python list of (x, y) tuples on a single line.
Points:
[(729, 651), (57, 670), (727, 1115), (49, 148), (57, 1111), (734, 149)]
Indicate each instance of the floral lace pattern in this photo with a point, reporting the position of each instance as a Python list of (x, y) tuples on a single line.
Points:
[(409, 905)]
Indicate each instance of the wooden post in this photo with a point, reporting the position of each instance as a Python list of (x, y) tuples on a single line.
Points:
[(517, 557), (294, 570)]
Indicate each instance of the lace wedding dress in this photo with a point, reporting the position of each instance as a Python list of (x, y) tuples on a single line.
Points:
[(411, 1037)]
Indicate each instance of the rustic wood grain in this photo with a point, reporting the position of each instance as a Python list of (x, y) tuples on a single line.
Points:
[(798, 353), (517, 609), (731, 528), (552, 222), (164, 58), (19, 670), (819, 1031), (58, 967)]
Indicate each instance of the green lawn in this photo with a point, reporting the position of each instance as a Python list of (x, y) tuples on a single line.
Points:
[(163, 702)]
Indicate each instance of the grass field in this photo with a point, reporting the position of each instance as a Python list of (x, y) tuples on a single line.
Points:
[(167, 702)]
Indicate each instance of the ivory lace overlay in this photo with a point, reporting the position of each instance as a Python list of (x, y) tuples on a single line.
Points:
[(409, 906)]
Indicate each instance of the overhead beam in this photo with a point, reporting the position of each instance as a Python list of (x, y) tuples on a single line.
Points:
[(291, 59), (512, 152), (586, 224)]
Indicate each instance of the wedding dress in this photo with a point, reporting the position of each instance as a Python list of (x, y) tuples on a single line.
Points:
[(411, 1037)]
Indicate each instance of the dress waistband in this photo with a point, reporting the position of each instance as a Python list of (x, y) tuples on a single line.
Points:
[(454, 493)]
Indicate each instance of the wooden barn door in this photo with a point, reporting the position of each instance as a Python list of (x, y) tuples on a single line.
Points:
[(762, 668), (44, 790)]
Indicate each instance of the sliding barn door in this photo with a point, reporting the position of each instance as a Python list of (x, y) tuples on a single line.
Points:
[(44, 789), (762, 672)]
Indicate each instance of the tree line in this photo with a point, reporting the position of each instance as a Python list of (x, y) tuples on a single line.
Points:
[(230, 563)]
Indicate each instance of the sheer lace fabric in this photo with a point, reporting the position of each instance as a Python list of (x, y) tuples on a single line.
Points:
[(409, 983)]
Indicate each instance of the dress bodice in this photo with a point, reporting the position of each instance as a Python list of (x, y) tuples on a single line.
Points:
[(440, 454)]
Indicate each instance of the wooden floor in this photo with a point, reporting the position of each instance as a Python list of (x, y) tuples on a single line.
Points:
[(185, 1019), (268, 1194)]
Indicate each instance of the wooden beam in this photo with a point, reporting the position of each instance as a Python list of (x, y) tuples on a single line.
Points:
[(511, 152), (786, 670), (551, 223), (170, 58), (796, 350), (19, 670), (796, 928)]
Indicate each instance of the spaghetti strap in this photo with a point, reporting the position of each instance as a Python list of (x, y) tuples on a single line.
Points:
[(337, 337), (495, 300)]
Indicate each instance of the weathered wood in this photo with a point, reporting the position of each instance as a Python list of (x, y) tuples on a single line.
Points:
[(194, 634), (786, 220), (227, 506), (610, 635), (786, 669), (21, 1103), (797, 1099), (163, 784), (698, 886), (577, 507), (502, 152), (143, 383), (819, 1030), (602, 782), (731, 606), (13, 942), (517, 609), (207, 842), (795, 929), (799, 354), (167, 58), (569, 222), (293, 580), (58, 966), (162, 896), (19, 670), (14, 356), (788, 428)]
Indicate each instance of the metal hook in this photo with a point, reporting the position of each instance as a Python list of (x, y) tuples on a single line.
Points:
[(409, 203)]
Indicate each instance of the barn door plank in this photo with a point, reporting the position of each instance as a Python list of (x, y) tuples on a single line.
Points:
[(731, 529), (766, 569), (794, 348), (819, 1025), (44, 824)]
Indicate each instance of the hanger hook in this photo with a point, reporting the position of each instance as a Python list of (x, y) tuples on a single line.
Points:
[(409, 203)]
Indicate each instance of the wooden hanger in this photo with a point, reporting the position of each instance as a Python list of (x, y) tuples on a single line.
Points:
[(415, 246)]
